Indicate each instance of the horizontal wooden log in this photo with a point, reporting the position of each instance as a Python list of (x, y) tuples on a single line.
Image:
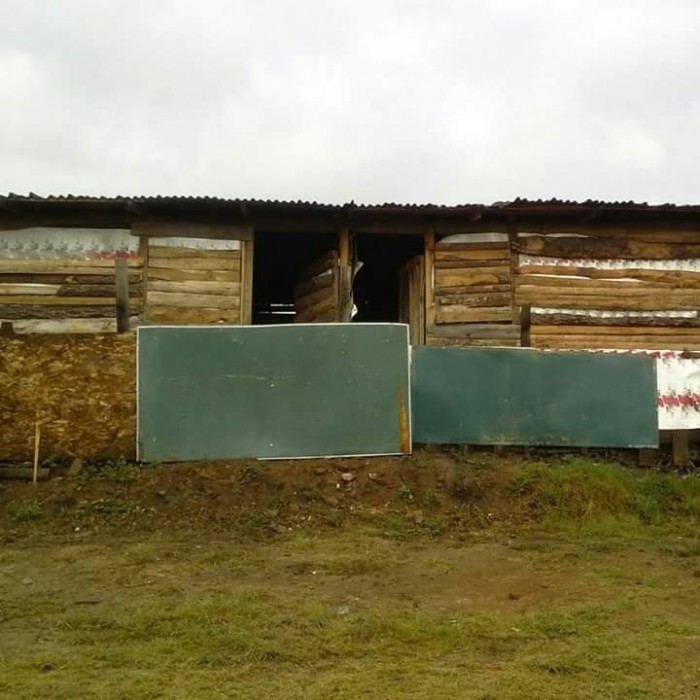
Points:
[(95, 290), (466, 314), (474, 300), (206, 301), (30, 278), (651, 234), (439, 341), (611, 340), (624, 331), (184, 229), (464, 245), (24, 473), (303, 302), (63, 266), (314, 284), (623, 322), (177, 315), (55, 300), (322, 308), (175, 252), (600, 289), (69, 325), (472, 266), (621, 286), (172, 275), (567, 299), (493, 331), (674, 277), (43, 311), (447, 254), (328, 261), (33, 289), (601, 248), (190, 287), (613, 343), (467, 278), (195, 263), (474, 289)]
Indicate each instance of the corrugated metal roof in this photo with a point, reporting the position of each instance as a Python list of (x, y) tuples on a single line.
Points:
[(518, 204)]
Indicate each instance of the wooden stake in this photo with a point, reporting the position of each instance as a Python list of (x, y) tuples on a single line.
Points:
[(37, 439), (681, 448)]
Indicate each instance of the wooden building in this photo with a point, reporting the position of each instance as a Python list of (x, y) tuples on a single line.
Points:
[(547, 274), (79, 274)]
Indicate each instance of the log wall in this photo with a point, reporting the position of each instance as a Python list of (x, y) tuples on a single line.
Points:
[(631, 290), (64, 280), (193, 281), (81, 388), (473, 294)]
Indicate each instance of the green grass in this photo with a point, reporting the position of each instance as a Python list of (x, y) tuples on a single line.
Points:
[(27, 512)]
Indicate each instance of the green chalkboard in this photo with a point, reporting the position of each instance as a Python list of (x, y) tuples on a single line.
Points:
[(272, 391), (493, 396)]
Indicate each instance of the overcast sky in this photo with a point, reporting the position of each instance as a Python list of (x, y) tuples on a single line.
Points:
[(442, 101)]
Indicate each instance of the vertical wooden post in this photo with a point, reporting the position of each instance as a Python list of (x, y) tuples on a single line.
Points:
[(429, 283), (345, 276), (145, 250), (512, 241), (121, 286), (525, 338), (37, 440), (247, 261), (681, 448)]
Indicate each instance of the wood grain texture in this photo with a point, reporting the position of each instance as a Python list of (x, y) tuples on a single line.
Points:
[(466, 314), (187, 300)]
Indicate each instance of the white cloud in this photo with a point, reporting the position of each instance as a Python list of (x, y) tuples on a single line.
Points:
[(403, 100)]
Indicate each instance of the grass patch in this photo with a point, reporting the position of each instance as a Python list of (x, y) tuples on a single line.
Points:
[(27, 512)]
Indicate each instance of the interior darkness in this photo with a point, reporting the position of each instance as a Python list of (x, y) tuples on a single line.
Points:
[(277, 260), (376, 287)]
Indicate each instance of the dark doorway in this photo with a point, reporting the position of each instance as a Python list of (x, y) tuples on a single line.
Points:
[(277, 261), (376, 285)]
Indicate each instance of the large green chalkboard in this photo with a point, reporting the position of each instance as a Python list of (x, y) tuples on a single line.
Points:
[(493, 396), (272, 391)]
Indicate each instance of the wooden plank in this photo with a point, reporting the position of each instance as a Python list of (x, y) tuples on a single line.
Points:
[(589, 321), (177, 315), (493, 331), (435, 340), (184, 229), (443, 245), (23, 289), (55, 301), (466, 314), (430, 282), (224, 264), (207, 301), (611, 340), (502, 299), (344, 276), (599, 343), (472, 254), (653, 234), (473, 289), (314, 284), (172, 275), (600, 248), (464, 278), (685, 278), (629, 292), (63, 266), (188, 286), (69, 325), (95, 290), (314, 312), (327, 261), (175, 252), (303, 302), (247, 270), (583, 329), (472, 266), (604, 286), (42, 311), (525, 326), (670, 302)]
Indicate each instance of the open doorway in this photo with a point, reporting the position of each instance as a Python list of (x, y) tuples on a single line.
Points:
[(376, 288), (279, 258)]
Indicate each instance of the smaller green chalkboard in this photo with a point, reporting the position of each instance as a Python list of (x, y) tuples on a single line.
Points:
[(494, 396)]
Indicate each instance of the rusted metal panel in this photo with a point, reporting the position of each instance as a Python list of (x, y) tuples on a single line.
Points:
[(496, 396)]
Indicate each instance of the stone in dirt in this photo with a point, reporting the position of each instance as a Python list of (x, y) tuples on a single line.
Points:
[(76, 467), (347, 476)]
